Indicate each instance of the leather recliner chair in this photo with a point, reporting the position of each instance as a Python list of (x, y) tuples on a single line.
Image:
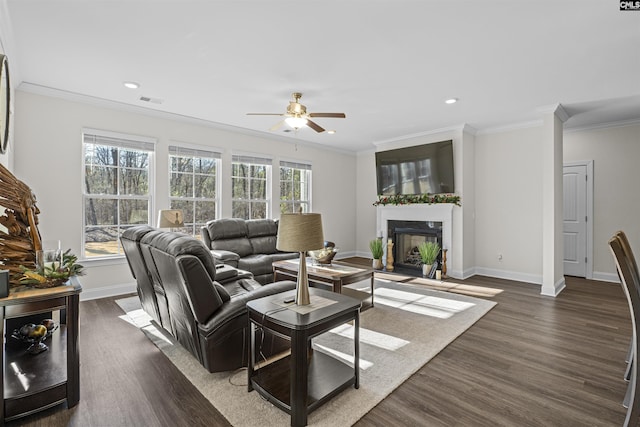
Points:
[(207, 317)]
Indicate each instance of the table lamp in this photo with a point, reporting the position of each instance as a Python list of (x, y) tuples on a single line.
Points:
[(170, 218), (300, 232)]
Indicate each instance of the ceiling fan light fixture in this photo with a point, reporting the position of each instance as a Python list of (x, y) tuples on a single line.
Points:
[(296, 122)]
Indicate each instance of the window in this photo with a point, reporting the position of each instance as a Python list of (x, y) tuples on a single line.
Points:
[(193, 186), (117, 189), (250, 187), (295, 187)]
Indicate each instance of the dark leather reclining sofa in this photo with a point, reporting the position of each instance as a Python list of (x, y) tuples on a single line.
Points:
[(201, 304), (245, 244)]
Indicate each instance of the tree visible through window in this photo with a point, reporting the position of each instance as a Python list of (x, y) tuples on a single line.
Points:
[(117, 191), (250, 187), (295, 187), (193, 178)]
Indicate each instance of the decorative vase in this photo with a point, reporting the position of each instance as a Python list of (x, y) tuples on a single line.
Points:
[(377, 263), (425, 269)]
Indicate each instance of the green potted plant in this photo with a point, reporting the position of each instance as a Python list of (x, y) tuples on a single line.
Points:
[(428, 254), (376, 253)]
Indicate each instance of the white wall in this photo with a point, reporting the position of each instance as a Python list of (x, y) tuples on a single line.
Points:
[(508, 204), (48, 157), (615, 152)]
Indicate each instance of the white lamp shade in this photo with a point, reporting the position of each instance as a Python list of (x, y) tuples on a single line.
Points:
[(170, 218), (300, 232)]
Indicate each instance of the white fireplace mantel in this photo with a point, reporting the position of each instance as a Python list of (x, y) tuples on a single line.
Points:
[(441, 212)]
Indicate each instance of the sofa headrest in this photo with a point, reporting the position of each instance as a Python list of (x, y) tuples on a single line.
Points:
[(136, 234), (176, 244), (226, 228), (261, 227)]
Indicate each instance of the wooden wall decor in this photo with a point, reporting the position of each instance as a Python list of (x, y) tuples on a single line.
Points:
[(19, 234)]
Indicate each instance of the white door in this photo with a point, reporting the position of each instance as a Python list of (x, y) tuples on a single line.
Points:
[(575, 220)]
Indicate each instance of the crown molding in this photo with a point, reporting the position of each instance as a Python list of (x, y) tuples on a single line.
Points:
[(607, 125), (511, 127), (458, 128), (556, 109), (123, 107)]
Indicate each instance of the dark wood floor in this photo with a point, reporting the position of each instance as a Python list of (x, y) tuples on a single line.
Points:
[(531, 361)]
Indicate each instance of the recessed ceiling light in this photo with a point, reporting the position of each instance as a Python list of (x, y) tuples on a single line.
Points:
[(331, 132), (131, 85), (451, 101)]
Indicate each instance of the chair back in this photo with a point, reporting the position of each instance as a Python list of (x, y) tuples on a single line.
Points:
[(631, 288)]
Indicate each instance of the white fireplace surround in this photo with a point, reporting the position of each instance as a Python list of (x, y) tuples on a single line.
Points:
[(442, 212)]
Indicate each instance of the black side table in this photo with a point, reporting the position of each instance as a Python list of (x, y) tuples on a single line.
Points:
[(313, 377)]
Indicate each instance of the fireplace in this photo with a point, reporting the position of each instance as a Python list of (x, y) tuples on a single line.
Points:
[(439, 225), (406, 236)]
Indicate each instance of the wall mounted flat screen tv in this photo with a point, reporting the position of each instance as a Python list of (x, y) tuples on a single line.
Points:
[(421, 169)]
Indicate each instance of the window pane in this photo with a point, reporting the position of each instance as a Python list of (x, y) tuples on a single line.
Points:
[(258, 171), (286, 190), (285, 174), (205, 165), (100, 180), (240, 210), (134, 159), (101, 155), (258, 189), (258, 210), (181, 164), (239, 188), (134, 182), (205, 186), (101, 211), (101, 241), (134, 211), (181, 185), (240, 170), (205, 211)]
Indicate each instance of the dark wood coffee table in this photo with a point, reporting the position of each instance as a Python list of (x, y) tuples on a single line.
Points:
[(334, 277), (305, 379)]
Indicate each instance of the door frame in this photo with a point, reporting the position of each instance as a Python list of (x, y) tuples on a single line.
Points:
[(589, 228)]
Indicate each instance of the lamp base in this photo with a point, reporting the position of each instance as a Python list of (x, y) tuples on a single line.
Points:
[(302, 286)]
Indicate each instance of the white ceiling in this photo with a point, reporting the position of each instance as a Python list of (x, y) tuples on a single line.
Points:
[(388, 64)]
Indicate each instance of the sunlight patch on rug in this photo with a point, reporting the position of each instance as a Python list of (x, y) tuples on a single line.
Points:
[(388, 342), (442, 308), (347, 358)]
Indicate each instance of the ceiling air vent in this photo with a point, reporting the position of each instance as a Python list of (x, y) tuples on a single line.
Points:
[(153, 100)]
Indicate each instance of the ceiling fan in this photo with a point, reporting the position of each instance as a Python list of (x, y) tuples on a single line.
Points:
[(297, 116)]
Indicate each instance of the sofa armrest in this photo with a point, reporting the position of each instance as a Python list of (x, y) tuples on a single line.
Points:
[(238, 305), (225, 257)]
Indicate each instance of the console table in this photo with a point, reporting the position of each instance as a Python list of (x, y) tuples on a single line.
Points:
[(312, 376), (33, 383)]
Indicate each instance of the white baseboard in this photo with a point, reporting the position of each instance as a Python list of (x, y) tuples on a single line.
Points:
[(107, 291), (606, 277), (509, 275)]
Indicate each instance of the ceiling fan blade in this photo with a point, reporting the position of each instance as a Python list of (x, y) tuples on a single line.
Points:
[(265, 114), (335, 115), (314, 126), (276, 126)]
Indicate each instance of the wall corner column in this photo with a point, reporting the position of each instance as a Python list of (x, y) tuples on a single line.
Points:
[(552, 201)]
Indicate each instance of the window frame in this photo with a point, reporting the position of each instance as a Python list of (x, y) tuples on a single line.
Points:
[(121, 141), (176, 150), (250, 160), (300, 166)]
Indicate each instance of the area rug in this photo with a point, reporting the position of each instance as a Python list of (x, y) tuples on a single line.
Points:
[(408, 326)]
